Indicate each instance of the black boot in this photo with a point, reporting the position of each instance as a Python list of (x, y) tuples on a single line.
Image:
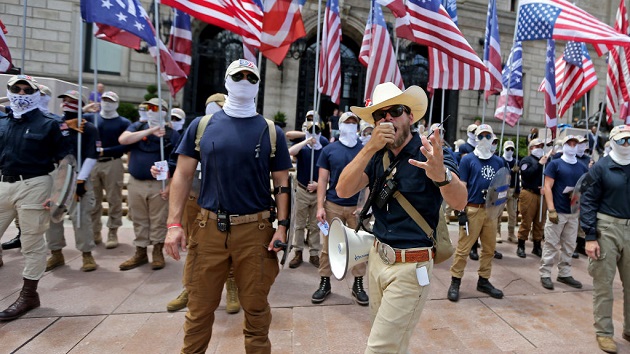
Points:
[(537, 250), (473, 252), (580, 247), (14, 242), (358, 293), (28, 300), (498, 255), (520, 249), (484, 286), (324, 290), (453, 290)]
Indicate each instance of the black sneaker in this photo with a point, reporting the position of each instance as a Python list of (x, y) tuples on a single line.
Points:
[(324, 290), (359, 293), (484, 286), (453, 290), (537, 250), (498, 255), (570, 282), (546, 283)]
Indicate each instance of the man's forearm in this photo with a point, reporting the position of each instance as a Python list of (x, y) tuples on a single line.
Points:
[(351, 180), (179, 191), (455, 193)]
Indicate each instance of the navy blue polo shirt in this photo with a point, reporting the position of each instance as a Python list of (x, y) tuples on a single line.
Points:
[(477, 174), (304, 162), (109, 130), (146, 152), (334, 158), (231, 174), (564, 175), (393, 225)]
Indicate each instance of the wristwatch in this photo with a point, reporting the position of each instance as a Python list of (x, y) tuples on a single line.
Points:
[(448, 177), (284, 222)]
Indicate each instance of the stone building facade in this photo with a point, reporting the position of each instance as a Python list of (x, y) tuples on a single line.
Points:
[(52, 39)]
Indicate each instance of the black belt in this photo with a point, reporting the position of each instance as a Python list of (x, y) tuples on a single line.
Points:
[(13, 179), (532, 191), (105, 159)]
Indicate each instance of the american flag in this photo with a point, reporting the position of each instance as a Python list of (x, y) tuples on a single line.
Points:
[(449, 73), (510, 103), (624, 112), (618, 74), (282, 25), (180, 44), (377, 53), (330, 56), (451, 9), (243, 17), (492, 50), (549, 88), (579, 76), (428, 23), (397, 7), (5, 54), (559, 19)]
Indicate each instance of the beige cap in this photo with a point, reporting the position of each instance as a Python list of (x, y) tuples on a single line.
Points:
[(45, 90), (23, 78), (581, 138), (219, 98), (344, 117), (535, 142), (471, 128), (111, 95), (620, 131), (179, 113), (483, 128), (73, 94), (311, 113), (571, 137), (240, 65), (156, 102), (508, 144)]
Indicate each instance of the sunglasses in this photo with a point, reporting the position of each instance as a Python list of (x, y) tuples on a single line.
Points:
[(253, 79), (17, 89), (394, 111), (153, 108), (487, 136), (623, 141), (509, 149)]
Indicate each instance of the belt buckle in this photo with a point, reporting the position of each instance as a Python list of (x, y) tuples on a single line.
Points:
[(387, 253), (231, 220)]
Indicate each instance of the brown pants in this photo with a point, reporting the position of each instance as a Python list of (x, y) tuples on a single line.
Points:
[(107, 176), (529, 205), (210, 255), (149, 212), (484, 228)]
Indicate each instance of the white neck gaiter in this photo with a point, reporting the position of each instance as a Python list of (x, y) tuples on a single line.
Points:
[(607, 151), (348, 134), (508, 155), (581, 148), (177, 125), (143, 116), (155, 118), (483, 150), (620, 154), (568, 154), (240, 100), (212, 108), (108, 109), (472, 139), (21, 104), (43, 103), (318, 144), (538, 152), (365, 139)]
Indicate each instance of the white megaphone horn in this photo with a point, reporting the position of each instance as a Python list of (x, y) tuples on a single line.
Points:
[(347, 248)]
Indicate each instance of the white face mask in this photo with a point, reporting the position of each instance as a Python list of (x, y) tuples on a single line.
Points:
[(581, 148), (483, 150), (348, 134), (508, 155), (607, 150), (43, 103), (212, 108), (21, 104), (620, 154), (240, 100), (538, 152), (108, 109), (568, 153), (177, 124), (365, 139), (493, 148), (318, 144), (154, 118), (143, 116), (472, 139)]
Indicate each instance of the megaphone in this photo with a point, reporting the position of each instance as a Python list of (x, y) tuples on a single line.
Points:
[(347, 248)]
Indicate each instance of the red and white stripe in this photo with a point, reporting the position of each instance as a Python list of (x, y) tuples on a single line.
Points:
[(618, 73), (451, 74), (492, 51), (282, 25), (396, 6), (574, 83), (330, 55)]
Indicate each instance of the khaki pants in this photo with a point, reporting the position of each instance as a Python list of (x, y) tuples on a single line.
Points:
[(25, 200), (510, 205), (346, 214), (149, 212), (107, 175), (81, 224), (614, 244), (306, 211), (479, 226), (559, 242), (210, 255), (529, 205), (396, 302)]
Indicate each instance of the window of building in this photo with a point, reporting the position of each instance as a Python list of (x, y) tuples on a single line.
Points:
[(109, 55)]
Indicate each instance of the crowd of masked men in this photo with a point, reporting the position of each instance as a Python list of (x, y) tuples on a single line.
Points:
[(543, 187)]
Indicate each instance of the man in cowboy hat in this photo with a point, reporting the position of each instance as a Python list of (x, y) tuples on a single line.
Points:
[(424, 176)]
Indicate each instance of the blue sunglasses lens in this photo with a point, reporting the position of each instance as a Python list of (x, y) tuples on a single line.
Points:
[(623, 141), (487, 136)]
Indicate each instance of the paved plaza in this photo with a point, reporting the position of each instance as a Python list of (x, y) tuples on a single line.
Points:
[(109, 311)]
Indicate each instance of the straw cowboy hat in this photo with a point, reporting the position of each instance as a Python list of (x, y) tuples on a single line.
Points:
[(388, 94)]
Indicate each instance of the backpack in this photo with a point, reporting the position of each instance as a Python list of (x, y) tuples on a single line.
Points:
[(203, 123)]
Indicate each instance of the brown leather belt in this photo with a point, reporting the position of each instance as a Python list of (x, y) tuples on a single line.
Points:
[(476, 205), (240, 219), (412, 255)]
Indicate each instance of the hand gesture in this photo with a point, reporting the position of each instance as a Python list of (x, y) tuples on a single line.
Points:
[(432, 150)]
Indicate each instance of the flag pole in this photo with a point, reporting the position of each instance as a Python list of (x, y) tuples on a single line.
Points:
[(599, 122), (442, 110), (431, 108), (172, 44), (483, 108), (80, 113), (543, 177), (586, 111), (95, 55), (315, 91), (22, 71), (159, 79), (518, 127)]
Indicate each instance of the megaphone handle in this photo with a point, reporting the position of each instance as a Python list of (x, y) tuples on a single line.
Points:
[(279, 244)]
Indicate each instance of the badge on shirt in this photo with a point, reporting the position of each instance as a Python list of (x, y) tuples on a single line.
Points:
[(524, 167)]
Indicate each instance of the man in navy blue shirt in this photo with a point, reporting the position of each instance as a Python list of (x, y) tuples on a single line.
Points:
[(561, 175), (513, 193), (306, 151), (399, 285), (109, 171), (234, 226), (477, 170), (331, 162)]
